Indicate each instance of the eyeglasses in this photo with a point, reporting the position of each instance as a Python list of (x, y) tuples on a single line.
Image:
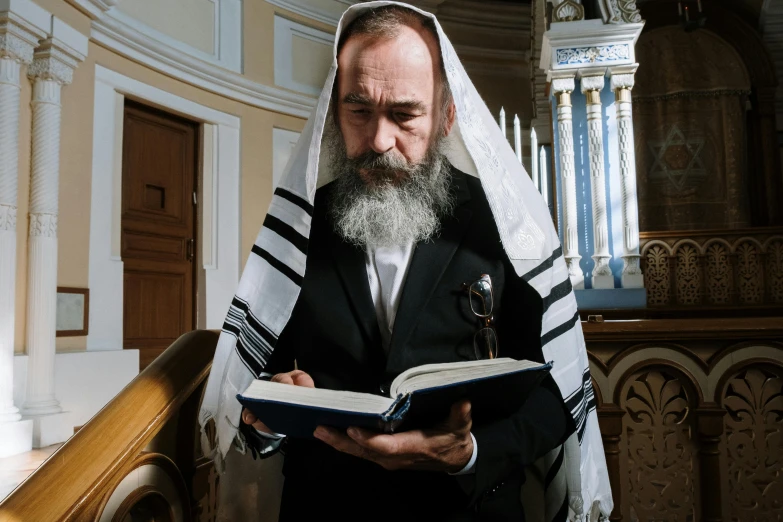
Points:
[(485, 340)]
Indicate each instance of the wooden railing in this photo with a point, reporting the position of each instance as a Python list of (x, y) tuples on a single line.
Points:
[(713, 269), (77, 482)]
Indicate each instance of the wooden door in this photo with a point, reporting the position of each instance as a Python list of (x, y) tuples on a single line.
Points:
[(159, 170)]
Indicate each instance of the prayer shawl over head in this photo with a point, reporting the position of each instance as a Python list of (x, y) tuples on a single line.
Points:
[(270, 284)]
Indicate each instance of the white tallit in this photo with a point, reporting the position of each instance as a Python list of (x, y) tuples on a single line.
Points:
[(270, 284)]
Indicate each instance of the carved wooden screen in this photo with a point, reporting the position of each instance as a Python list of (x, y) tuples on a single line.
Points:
[(753, 398), (689, 118), (660, 480)]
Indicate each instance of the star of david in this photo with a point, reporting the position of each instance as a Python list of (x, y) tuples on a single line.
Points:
[(677, 159)]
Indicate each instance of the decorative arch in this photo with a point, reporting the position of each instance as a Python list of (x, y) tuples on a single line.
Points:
[(659, 431), (738, 29), (751, 392)]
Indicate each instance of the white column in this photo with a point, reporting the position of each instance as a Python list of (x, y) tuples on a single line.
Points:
[(52, 67), (13, 52), (518, 138), (563, 87), (18, 38), (631, 277), (534, 158), (602, 274)]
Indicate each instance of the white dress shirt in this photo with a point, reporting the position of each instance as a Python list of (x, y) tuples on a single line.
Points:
[(387, 268)]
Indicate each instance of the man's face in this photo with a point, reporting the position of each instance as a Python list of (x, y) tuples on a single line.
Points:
[(389, 97)]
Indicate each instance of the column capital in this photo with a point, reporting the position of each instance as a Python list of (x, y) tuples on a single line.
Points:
[(21, 29), (622, 77), (7, 217), (592, 83), (565, 84), (59, 54)]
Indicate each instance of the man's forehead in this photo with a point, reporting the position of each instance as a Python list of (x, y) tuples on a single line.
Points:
[(404, 65)]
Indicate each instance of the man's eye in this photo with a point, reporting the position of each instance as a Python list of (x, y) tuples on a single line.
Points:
[(403, 116), (360, 112)]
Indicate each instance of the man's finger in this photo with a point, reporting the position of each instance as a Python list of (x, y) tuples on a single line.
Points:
[(248, 417), (283, 378), (301, 378), (460, 418), (340, 442)]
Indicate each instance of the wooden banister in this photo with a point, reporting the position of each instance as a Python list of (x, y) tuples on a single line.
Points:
[(84, 469)]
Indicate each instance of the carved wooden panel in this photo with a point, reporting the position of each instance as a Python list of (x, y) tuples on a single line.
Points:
[(775, 271), (753, 399), (660, 448), (657, 276), (719, 274), (738, 269), (750, 273), (688, 276)]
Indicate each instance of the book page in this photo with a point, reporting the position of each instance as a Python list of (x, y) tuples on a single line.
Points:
[(434, 375), (317, 397)]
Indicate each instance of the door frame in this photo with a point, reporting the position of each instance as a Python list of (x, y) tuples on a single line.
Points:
[(218, 218)]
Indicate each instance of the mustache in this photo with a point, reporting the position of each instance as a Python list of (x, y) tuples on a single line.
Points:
[(382, 163)]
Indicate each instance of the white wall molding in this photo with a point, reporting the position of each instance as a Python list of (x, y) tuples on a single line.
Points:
[(94, 8), (285, 31), (127, 41), (320, 14), (283, 142), (220, 205)]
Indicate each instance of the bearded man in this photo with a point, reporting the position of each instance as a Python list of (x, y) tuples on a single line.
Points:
[(379, 259)]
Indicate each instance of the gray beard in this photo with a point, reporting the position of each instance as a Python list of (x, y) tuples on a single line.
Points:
[(387, 214)]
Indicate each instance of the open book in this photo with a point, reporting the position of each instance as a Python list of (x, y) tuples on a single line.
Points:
[(420, 397)]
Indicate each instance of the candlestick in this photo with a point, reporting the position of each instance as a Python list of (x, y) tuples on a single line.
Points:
[(687, 18)]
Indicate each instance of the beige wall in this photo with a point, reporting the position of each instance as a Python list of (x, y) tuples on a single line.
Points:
[(76, 159), (189, 21)]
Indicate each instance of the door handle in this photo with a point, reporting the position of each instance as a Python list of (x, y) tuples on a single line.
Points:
[(191, 249)]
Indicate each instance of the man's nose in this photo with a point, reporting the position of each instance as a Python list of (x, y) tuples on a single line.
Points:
[(382, 136)]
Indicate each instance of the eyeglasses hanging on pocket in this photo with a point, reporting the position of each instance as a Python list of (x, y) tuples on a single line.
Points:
[(485, 340)]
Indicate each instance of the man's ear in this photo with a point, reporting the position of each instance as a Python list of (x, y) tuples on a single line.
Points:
[(451, 114)]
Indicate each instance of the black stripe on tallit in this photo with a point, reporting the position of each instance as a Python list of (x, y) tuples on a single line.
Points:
[(262, 330), (250, 363), (558, 292), (554, 468), (545, 265), (287, 232), (296, 200), (278, 265), (254, 342), (560, 330)]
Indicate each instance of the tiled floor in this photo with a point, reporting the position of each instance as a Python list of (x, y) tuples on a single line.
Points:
[(13, 470)]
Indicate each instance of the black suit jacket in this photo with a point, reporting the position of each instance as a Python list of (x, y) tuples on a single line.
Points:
[(333, 335)]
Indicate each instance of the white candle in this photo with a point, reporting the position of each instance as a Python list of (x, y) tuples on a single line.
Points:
[(517, 138), (502, 121)]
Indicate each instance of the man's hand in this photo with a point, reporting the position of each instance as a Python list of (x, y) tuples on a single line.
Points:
[(296, 377), (446, 448)]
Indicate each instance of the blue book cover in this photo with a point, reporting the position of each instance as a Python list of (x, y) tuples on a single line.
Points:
[(420, 398)]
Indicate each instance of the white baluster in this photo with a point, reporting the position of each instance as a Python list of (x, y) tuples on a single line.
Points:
[(602, 272), (563, 87), (632, 276)]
